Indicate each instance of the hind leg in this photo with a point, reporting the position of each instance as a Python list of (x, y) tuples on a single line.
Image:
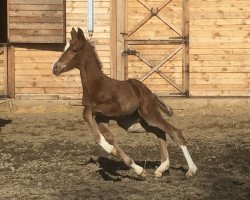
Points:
[(134, 124), (154, 118), (165, 164), (161, 135)]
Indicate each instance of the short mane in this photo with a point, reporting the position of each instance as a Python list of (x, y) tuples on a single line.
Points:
[(98, 61)]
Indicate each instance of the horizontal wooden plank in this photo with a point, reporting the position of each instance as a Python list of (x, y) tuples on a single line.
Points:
[(219, 93), (49, 59), (200, 63), (219, 45), (36, 39), (219, 4), (207, 57), (21, 72), (48, 55), (220, 21), (218, 51), (219, 15), (200, 69), (213, 27), (46, 65), (49, 78), (33, 26), (35, 19), (202, 87), (46, 90), (228, 87), (37, 32), (55, 84), (218, 63), (43, 7), (219, 33), (36, 13), (34, 2), (220, 39), (221, 9)]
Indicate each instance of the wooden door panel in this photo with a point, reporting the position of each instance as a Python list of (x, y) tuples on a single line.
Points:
[(156, 44)]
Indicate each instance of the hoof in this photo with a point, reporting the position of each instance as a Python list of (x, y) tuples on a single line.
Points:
[(158, 174), (115, 152), (190, 174), (143, 174)]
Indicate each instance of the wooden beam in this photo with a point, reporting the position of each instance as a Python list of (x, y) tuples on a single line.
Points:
[(165, 3), (140, 24), (5, 66), (185, 46), (113, 40), (144, 77), (160, 7), (169, 24), (11, 72), (125, 58), (120, 73), (158, 71), (150, 15), (169, 41)]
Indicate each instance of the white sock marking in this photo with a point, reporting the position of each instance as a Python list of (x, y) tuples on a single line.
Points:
[(192, 167), (163, 167), (136, 127), (105, 145), (137, 168)]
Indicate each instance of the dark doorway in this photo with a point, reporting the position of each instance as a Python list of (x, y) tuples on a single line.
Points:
[(3, 21)]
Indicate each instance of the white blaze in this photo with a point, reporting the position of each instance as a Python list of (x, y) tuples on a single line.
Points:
[(65, 49)]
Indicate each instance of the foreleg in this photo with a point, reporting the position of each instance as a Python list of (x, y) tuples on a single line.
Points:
[(98, 137)]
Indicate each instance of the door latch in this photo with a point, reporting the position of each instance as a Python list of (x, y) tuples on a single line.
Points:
[(130, 51)]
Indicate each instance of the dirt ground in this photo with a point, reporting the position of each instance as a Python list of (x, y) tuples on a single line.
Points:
[(49, 154)]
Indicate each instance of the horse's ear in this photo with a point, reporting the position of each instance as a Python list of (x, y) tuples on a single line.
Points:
[(80, 34), (73, 33)]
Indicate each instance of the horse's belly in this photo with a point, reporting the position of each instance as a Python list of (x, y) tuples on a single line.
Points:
[(129, 105)]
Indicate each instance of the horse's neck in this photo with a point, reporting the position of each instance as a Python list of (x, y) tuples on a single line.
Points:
[(91, 73)]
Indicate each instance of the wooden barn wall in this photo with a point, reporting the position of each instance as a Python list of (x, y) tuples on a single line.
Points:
[(33, 76), (219, 47), (219, 52)]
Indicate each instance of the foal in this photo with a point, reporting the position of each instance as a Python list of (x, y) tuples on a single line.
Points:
[(130, 103)]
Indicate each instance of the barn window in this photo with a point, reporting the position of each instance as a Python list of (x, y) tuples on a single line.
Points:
[(36, 21), (3, 21)]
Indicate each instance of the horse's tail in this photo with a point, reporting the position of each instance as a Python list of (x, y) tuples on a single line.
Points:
[(165, 108)]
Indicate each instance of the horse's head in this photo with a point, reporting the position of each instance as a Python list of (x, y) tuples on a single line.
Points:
[(71, 57)]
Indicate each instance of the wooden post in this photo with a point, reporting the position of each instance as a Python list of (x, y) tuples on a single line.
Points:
[(11, 72), (185, 47), (120, 73), (5, 66), (113, 40)]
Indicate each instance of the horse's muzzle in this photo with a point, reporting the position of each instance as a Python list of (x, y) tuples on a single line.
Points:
[(56, 69)]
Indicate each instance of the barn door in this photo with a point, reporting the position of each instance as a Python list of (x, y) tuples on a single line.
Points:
[(155, 44)]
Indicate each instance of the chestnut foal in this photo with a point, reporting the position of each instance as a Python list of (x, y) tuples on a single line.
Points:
[(130, 103)]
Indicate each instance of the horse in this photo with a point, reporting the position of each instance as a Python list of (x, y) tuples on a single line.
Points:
[(130, 103)]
